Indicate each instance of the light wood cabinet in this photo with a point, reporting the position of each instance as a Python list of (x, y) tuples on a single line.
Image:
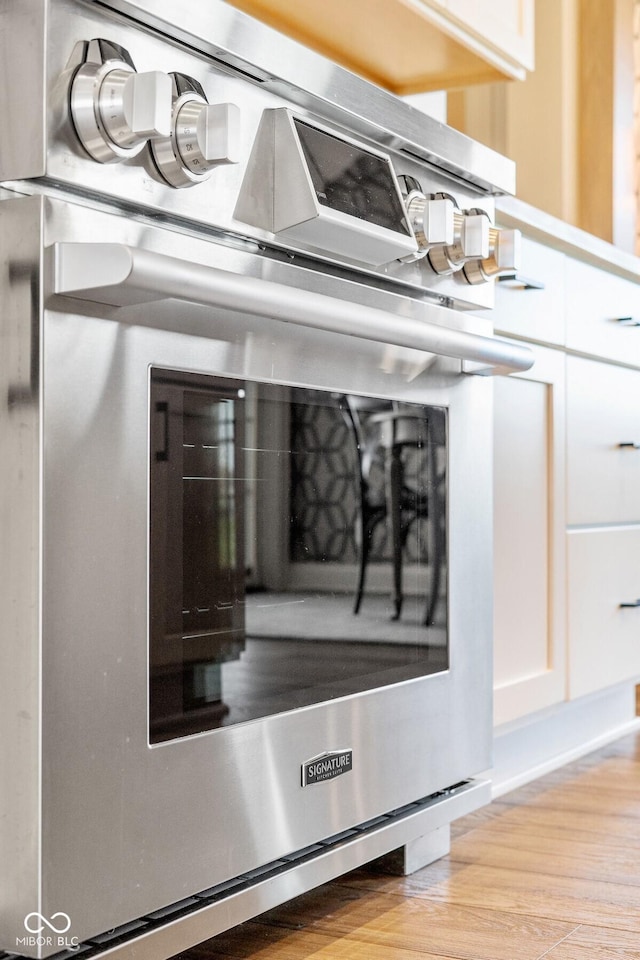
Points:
[(529, 539), (569, 126), (410, 46)]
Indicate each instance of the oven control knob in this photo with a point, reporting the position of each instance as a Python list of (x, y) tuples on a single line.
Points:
[(203, 135), (432, 221), (470, 242), (114, 109), (504, 257)]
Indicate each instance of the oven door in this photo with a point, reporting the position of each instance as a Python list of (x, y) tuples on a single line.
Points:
[(298, 549), (201, 538)]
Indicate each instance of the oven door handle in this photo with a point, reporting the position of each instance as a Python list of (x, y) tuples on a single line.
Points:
[(119, 275)]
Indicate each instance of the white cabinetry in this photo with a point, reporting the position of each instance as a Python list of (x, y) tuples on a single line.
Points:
[(603, 313), (603, 473), (529, 526), (567, 502), (567, 482), (503, 29)]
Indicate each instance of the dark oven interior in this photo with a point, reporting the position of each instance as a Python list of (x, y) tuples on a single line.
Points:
[(298, 548)]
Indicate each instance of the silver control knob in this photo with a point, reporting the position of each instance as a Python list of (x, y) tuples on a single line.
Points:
[(203, 135), (432, 221), (114, 109), (504, 257), (470, 242)]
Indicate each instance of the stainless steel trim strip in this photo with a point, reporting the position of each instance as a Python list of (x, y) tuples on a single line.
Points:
[(21, 228), (23, 39), (314, 82), (119, 275), (193, 928)]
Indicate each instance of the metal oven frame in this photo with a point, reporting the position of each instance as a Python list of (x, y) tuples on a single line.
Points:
[(150, 849)]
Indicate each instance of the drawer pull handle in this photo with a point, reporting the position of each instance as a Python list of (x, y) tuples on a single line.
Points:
[(627, 321), (519, 282), (629, 446), (635, 603)]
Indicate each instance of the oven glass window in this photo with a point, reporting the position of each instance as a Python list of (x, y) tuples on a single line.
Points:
[(298, 548)]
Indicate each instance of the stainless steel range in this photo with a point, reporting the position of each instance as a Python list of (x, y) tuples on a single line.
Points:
[(245, 566)]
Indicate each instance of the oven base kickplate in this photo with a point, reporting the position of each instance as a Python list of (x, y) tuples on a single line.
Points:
[(419, 831)]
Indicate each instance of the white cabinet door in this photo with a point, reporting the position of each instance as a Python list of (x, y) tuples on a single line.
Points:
[(505, 28), (529, 531), (604, 636)]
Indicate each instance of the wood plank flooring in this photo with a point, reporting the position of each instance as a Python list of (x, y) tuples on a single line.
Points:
[(550, 871)]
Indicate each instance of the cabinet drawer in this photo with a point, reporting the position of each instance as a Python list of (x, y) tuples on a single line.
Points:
[(537, 315), (597, 306), (604, 638), (603, 412)]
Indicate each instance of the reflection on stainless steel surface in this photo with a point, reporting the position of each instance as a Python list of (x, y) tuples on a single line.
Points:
[(114, 109), (238, 531), (234, 635), (305, 183), (122, 276), (94, 557), (20, 465), (399, 130)]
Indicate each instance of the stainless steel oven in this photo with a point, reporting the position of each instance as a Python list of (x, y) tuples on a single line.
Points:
[(246, 474)]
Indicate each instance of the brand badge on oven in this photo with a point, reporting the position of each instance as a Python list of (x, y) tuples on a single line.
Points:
[(326, 766)]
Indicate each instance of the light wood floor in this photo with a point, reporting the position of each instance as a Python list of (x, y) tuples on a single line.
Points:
[(551, 870)]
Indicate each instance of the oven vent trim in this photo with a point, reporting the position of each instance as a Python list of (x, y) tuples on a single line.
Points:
[(165, 932), (118, 275)]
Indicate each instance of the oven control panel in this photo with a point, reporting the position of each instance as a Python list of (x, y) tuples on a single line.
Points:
[(273, 173), (303, 183)]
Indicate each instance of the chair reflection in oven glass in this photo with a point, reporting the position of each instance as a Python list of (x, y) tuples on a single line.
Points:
[(403, 444), (197, 568)]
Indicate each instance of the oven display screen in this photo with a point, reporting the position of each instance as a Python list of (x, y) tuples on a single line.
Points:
[(298, 548), (351, 180)]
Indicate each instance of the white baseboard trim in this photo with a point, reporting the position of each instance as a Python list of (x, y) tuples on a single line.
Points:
[(526, 749), (554, 763)]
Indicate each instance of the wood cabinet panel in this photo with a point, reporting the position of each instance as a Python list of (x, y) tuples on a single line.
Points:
[(410, 46), (604, 638), (603, 411)]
